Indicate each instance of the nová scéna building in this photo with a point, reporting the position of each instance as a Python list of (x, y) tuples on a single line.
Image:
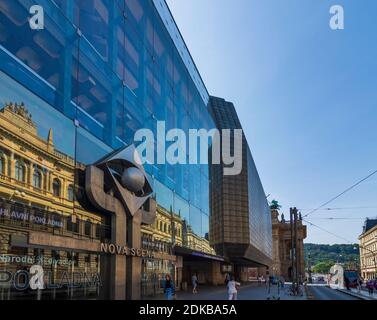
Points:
[(70, 94)]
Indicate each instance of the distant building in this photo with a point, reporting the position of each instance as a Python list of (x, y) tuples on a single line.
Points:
[(281, 246), (368, 249)]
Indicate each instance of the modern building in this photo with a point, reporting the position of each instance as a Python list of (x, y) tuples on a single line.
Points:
[(240, 221), (71, 93), (282, 246), (368, 250)]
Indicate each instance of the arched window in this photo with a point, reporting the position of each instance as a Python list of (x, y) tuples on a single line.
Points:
[(19, 171), (70, 193), (56, 188), (2, 165), (37, 179)]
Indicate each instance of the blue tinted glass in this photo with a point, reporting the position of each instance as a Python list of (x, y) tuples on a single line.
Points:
[(46, 119), (205, 226), (97, 15), (123, 77), (45, 55), (182, 208), (164, 196), (196, 220), (204, 194), (90, 149)]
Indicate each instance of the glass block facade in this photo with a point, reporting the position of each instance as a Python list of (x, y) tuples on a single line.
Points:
[(240, 221)]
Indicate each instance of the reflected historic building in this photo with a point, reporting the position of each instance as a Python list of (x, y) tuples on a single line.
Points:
[(38, 203), (99, 71)]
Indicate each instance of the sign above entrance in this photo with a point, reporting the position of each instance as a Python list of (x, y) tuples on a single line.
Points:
[(126, 251)]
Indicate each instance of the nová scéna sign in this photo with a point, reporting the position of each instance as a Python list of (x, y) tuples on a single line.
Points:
[(126, 251)]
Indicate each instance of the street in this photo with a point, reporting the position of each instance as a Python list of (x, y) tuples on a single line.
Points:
[(325, 293), (247, 292)]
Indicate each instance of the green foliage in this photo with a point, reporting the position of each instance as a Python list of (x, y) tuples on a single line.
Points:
[(321, 255), (275, 205), (323, 267)]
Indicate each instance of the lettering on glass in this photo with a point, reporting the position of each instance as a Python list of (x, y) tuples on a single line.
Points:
[(337, 19), (37, 20)]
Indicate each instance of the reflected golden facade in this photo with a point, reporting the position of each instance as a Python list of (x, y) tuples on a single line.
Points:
[(34, 173)]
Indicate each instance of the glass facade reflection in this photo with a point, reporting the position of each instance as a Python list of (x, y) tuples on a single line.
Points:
[(79, 89), (113, 67)]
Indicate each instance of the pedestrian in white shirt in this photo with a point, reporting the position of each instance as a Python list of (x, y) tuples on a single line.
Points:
[(233, 287)]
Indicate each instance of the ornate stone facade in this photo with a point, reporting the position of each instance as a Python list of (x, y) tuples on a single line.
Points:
[(282, 240), (368, 250)]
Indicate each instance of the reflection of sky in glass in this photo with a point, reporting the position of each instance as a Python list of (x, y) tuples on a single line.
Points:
[(43, 114), (89, 148)]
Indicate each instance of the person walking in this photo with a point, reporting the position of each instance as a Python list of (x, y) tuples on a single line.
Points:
[(194, 281), (169, 287), (359, 284), (233, 287), (347, 282), (370, 287), (272, 291)]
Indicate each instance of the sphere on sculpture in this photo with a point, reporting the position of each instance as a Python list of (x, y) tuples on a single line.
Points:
[(133, 179)]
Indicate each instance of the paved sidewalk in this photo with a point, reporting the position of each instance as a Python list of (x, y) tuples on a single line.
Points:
[(363, 294), (247, 292)]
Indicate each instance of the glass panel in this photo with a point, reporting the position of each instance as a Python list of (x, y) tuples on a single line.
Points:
[(182, 208), (40, 60), (196, 221), (164, 196)]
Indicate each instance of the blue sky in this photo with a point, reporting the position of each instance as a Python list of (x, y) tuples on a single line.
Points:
[(306, 96)]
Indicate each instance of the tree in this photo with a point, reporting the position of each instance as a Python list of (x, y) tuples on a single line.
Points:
[(275, 205), (323, 267)]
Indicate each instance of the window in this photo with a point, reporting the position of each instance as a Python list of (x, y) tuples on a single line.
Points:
[(37, 179), (2, 165), (56, 188), (88, 228), (70, 193), (72, 227), (19, 171)]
